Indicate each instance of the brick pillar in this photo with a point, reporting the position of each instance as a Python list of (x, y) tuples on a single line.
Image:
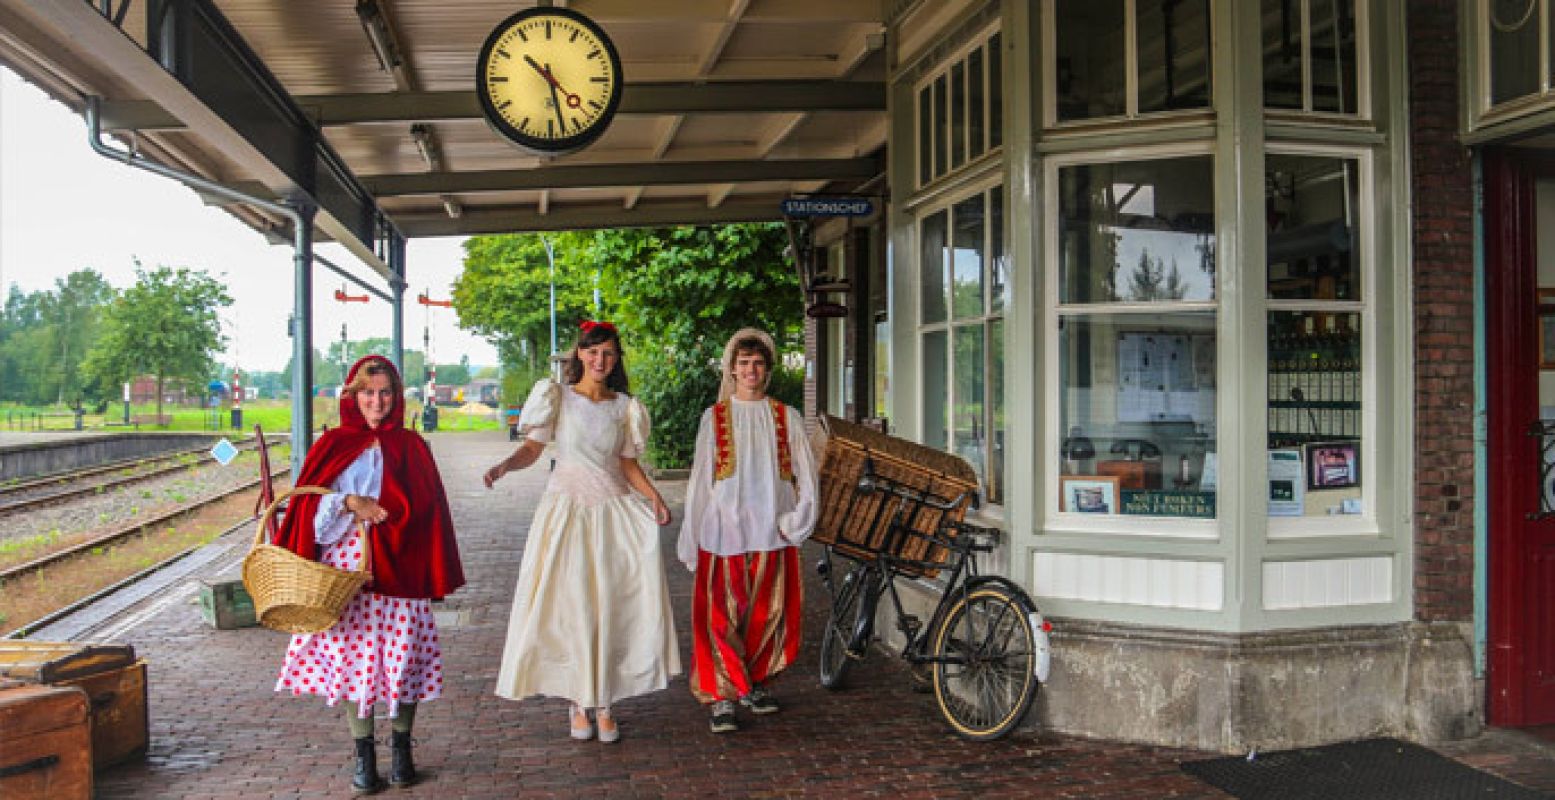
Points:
[(1443, 234)]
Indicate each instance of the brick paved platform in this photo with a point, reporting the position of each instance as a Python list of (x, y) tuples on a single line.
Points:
[(219, 732)]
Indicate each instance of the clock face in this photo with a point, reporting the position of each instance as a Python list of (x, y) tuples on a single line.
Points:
[(549, 79)]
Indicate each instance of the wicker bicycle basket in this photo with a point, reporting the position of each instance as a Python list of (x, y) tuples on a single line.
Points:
[(856, 524), (292, 593)]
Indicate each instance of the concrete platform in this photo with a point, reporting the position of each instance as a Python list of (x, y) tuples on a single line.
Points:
[(219, 732)]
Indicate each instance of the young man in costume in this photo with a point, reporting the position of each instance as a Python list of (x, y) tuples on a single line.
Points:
[(750, 503)]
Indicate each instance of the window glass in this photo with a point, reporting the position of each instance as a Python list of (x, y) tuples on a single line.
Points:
[(967, 257), (1090, 59), (1310, 211), (1514, 49), (1173, 54), (936, 409), (1282, 81), (998, 260), (995, 93), (969, 423), (1333, 56), (1314, 413), (925, 133), (940, 121), (976, 141), (931, 257), (1137, 407), (1139, 231)]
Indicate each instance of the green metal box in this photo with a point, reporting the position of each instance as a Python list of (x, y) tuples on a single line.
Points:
[(225, 604)]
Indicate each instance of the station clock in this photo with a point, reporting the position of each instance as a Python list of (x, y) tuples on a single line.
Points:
[(549, 80)]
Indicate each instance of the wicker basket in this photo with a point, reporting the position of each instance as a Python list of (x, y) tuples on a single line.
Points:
[(856, 524), (293, 594)]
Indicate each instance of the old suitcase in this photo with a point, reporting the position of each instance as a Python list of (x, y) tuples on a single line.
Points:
[(45, 743), (114, 682)]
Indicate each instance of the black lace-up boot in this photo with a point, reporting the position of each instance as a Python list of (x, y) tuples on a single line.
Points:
[(402, 772), (366, 780)]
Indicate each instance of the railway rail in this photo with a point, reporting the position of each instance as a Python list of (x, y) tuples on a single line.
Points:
[(127, 529), (25, 496)]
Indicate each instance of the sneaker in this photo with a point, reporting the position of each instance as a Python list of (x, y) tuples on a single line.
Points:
[(723, 717), (760, 701)]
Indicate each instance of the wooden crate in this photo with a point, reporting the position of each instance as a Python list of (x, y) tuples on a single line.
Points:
[(857, 524), (45, 743), (114, 682)]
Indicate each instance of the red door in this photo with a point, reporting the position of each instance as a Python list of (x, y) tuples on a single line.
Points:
[(1521, 656)]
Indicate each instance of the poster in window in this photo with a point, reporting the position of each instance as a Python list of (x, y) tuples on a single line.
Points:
[(1287, 488), (1333, 465), (1088, 494)]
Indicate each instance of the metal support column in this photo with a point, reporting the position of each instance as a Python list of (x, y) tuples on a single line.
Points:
[(302, 330), (397, 286)]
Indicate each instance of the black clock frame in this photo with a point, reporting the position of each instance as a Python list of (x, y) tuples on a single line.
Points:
[(537, 144)]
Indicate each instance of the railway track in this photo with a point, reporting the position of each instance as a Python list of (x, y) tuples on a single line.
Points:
[(55, 489), (125, 530)]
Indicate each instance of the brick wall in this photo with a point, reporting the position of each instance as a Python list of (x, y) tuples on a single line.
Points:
[(1443, 235)]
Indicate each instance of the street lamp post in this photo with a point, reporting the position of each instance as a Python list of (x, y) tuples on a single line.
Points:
[(550, 257)]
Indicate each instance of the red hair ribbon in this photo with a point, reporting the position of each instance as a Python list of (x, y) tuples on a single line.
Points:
[(589, 325)]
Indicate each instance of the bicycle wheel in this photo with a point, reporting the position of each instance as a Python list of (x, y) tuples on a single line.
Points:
[(835, 660), (985, 668)]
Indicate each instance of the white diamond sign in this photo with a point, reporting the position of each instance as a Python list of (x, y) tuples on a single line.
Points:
[(224, 452)]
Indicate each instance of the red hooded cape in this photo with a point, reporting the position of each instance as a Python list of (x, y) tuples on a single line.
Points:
[(414, 552)]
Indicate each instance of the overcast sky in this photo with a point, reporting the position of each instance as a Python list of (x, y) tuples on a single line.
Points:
[(64, 208)]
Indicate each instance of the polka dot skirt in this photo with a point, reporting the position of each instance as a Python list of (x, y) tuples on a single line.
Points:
[(383, 650)]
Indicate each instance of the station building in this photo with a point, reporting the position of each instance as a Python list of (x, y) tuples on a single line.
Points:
[(1235, 306)]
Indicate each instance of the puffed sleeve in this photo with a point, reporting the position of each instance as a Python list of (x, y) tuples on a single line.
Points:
[(797, 524), (699, 495), (638, 426), (537, 419)]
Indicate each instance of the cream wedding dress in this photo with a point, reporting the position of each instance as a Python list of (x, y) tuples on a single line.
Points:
[(591, 618)]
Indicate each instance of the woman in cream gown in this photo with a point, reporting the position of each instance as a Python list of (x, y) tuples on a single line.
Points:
[(591, 619)]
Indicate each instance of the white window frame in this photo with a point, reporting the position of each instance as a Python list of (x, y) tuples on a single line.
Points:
[(1366, 523), (961, 55), (984, 186), (1362, 67), (1485, 111), (1130, 71), (1055, 521)]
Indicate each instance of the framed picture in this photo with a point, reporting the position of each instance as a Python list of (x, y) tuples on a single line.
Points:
[(1333, 465), (1547, 329), (1088, 494)]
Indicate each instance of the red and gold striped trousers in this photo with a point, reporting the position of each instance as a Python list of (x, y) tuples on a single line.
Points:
[(745, 620)]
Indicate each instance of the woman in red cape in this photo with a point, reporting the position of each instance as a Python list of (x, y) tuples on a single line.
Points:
[(385, 646)]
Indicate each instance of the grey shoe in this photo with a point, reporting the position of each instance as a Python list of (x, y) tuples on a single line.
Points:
[(723, 717), (760, 701)]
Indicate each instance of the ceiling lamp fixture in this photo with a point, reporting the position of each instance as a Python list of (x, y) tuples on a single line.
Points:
[(426, 145), (380, 34)]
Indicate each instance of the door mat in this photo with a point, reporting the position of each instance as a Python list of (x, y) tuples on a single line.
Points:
[(1370, 768)]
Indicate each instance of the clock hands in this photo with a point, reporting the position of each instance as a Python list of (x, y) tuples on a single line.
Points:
[(573, 101)]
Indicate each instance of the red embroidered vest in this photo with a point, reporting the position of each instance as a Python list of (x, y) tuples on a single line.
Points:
[(723, 438)]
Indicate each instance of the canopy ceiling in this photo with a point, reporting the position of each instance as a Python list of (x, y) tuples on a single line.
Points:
[(729, 106)]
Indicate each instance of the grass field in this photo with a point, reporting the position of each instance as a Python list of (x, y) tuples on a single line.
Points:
[(273, 415)]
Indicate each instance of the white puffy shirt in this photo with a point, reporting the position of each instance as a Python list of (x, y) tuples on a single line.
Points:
[(365, 478), (753, 510)]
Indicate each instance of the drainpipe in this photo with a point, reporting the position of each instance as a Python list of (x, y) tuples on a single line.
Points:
[(299, 210)]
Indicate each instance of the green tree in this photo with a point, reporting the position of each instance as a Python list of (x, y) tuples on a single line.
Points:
[(74, 309), (166, 325), (504, 293), (680, 293)]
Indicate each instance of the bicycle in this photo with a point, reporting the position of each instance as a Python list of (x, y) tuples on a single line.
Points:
[(986, 647)]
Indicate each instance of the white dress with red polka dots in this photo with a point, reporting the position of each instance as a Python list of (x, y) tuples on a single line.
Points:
[(383, 649)]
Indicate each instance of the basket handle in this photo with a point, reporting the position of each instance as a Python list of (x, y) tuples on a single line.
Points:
[(264, 520)]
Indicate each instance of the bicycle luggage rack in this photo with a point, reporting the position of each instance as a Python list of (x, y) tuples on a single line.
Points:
[(857, 523)]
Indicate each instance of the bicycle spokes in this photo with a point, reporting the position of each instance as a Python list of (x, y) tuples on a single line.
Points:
[(984, 674)]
